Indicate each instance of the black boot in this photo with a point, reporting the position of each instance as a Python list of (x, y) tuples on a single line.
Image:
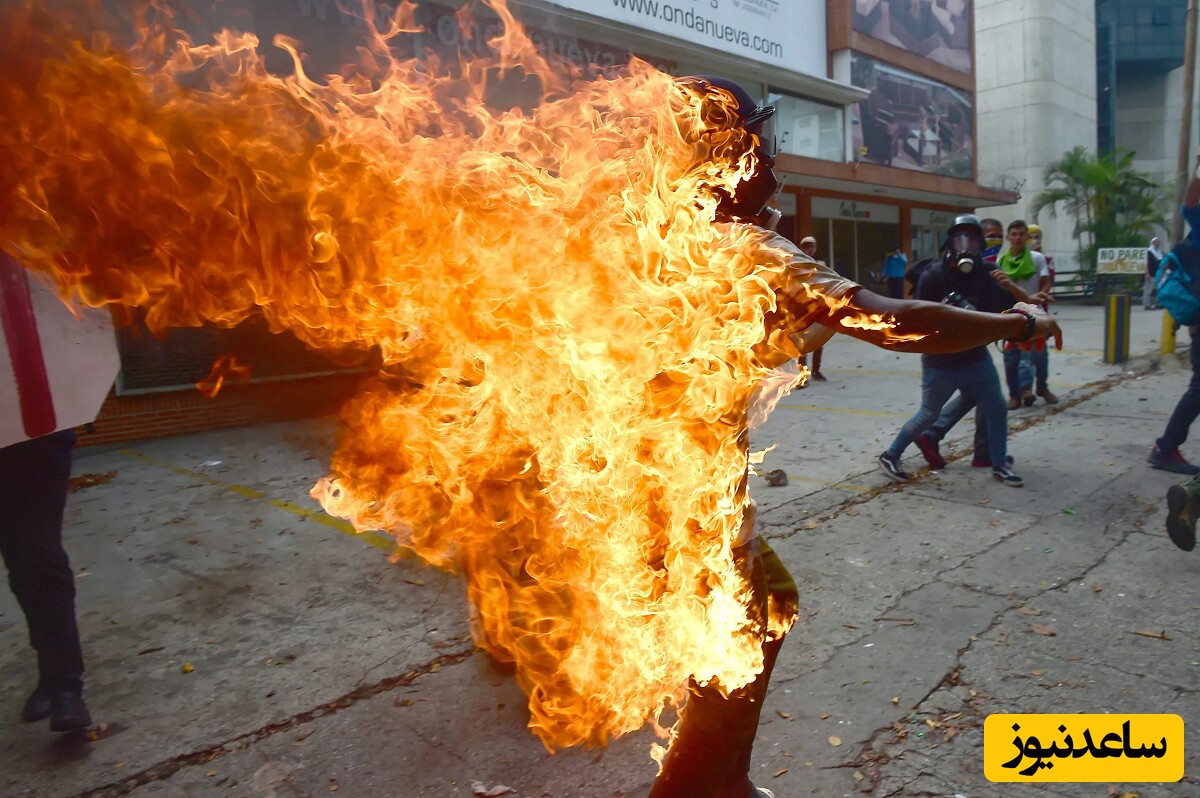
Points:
[(37, 706), (68, 712)]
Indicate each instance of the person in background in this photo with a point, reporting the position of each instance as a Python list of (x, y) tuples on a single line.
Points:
[(894, 267), (34, 478), (1029, 271), (993, 239), (808, 245), (962, 279), (1165, 454), (1154, 256)]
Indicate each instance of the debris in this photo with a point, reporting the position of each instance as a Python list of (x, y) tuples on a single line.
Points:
[(1151, 633), (1097, 587), (187, 667), (483, 791), (1038, 672), (782, 714), (824, 716), (210, 464), (895, 700), (1042, 629), (1028, 611), (89, 480), (835, 741), (1068, 511), (857, 776), (780, 772), (901, 621), (777, 478)]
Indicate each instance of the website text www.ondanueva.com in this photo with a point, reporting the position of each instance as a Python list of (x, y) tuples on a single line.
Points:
[(690, 19)]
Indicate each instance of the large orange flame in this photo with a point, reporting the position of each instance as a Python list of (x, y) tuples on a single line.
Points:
[(568, 339)]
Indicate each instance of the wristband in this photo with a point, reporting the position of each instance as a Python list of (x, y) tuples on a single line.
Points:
[(1030, 323)]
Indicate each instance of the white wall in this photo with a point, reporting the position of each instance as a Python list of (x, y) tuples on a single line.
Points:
[(1149, 111), (1036, 98)]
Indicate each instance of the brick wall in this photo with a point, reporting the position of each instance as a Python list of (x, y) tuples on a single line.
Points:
[(158, 415)]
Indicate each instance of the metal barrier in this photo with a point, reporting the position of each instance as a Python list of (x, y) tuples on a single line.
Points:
[(1116, 328)]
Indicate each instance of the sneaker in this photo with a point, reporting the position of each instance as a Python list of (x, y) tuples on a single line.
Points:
[(761, 792), (986, 462), (1172, 462), (1014, 402), (1050, 398), (1181, 517), (818, 376), (891, 467), (929, 448), (1009, 477), (1027, 398)]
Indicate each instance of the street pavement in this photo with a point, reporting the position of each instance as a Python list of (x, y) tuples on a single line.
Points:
[(241, 643)]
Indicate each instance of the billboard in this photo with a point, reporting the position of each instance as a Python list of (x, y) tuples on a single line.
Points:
[(912, 122), (785, 33), (939, 30)]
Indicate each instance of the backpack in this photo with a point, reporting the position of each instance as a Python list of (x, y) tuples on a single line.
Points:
[(913, 275), (1179, 283)]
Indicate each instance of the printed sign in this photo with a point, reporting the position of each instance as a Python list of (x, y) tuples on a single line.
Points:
[(830, 208), (786, 33), (1121, 260), (1076, 748), (56, 367)]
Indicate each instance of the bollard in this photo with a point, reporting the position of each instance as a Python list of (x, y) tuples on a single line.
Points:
[(1116, 328), (1167, 347)]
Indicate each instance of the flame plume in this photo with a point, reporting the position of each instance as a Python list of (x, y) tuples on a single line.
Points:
[(567, 338)]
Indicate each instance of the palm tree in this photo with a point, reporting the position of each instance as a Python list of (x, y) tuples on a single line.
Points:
[(1112, 203)]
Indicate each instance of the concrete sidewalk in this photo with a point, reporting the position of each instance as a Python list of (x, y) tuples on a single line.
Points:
[(319, 666)]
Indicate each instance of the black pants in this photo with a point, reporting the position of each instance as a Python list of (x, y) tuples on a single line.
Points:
[(33, 492), (712, 746), (896, 287), (1188, 407)]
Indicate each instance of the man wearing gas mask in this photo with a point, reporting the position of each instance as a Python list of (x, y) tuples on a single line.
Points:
[(963, 279), (710, 754)]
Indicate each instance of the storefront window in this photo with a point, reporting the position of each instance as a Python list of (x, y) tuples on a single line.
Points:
[(809, 128)]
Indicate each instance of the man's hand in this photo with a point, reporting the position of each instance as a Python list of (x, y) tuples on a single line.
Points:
[(1003, 280), (1044, 324), (1041, 298)]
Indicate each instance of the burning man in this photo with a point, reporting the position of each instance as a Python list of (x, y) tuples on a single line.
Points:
[(710, 754)]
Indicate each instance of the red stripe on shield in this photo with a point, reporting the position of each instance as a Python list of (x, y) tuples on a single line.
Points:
[(25, 349)]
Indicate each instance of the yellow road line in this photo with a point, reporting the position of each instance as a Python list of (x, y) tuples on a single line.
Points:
[(376, 539)]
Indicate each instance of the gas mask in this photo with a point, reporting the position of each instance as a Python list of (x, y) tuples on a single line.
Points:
[(964, 248)]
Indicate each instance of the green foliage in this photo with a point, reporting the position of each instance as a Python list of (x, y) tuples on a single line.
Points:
[(1113, 204)]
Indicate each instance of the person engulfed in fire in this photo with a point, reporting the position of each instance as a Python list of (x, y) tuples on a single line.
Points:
[(709, 756)]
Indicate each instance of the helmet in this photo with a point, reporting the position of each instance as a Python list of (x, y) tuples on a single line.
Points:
[(757, 119), (964, 243), (753, 193)]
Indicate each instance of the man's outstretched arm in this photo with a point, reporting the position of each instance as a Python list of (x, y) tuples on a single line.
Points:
[(910, 325)]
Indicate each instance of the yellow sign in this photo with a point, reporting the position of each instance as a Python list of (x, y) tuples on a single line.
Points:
[(1066, 748), (1121, 260)]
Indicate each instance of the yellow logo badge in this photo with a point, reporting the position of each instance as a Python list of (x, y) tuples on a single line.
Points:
[(1065, 748)]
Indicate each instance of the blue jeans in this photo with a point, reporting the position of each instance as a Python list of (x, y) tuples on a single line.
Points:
[(952, 413), (1188, 407), (981, 382), (1020, 369)]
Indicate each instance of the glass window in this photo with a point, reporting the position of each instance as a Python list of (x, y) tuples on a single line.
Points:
[(809, 128)]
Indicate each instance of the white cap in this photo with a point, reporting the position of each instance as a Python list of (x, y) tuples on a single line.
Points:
[(807, 240)]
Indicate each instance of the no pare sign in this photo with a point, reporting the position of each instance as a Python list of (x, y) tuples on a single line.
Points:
[(56, 367)]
